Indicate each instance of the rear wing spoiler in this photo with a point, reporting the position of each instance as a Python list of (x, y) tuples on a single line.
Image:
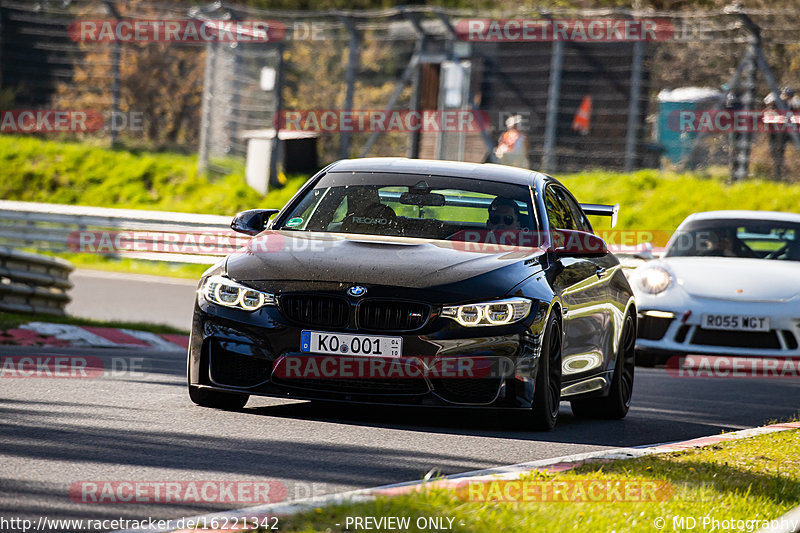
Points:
[(602, 210)]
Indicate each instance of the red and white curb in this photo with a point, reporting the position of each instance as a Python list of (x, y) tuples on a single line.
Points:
[(511, 472), (66, 335)]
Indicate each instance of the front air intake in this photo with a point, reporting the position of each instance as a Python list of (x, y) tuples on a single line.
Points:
[(315, 310), (392, 315)]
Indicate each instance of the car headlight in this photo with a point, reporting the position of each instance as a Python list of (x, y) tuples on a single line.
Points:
[(495, 313), (228, 293), (655, 280)]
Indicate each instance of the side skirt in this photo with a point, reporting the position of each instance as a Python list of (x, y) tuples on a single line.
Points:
[(594, 386)]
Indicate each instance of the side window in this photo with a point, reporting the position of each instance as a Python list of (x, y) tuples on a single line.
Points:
[(341, 211), (579, 219), (558, 211), (330, 208)]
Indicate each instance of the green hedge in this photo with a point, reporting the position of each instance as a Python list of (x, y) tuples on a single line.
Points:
[(653, 200), (35, 170)]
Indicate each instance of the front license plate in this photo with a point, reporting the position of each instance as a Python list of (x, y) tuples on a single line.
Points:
[(736, 322), (343, 344)]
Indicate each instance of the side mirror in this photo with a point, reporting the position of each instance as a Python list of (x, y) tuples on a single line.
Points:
[(645, 252), (252, 221), (573, 243)]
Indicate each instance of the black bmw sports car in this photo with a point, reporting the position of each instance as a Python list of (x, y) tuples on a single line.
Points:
[(433, 283)]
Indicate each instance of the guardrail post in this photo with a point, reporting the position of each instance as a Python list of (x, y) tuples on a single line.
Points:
[(205, 110), (115, 61), (353, 62), (274, 181), (741, 160), (551, 122), (416, 80), (631, 136)]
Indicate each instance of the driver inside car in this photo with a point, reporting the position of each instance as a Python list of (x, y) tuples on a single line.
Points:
[(722, 243), (366, 214), (503, 215)]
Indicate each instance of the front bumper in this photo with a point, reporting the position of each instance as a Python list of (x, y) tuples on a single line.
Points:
[(233, 350), (684, 334)]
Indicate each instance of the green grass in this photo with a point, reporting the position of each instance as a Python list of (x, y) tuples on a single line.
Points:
[(750, 479), (14, 320), (653, 200), (36, 170)]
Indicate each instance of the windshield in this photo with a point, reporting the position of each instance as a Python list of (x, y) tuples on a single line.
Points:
[(411, 205), (759, 239)]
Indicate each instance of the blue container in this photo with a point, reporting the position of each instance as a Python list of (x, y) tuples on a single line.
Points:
[(677, 144)]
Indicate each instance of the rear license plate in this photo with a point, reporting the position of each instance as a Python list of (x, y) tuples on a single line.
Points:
[(343, 344), (736, 322)]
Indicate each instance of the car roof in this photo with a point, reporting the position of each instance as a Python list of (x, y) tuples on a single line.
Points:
[(481, 171), (743, 215)]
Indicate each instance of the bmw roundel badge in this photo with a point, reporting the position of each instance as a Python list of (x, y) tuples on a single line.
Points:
[(356, 291)]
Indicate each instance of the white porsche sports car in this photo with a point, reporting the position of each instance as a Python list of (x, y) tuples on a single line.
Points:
[(728, 284)]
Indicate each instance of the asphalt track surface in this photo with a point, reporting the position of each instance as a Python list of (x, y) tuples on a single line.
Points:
[(140, 426), (129, 297)]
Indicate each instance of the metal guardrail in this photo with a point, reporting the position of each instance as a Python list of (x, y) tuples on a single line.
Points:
[(31, 283), (153, 235)]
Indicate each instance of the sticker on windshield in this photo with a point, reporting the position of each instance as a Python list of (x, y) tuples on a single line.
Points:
[(294, 222)]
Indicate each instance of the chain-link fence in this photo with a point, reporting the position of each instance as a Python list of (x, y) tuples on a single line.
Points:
[(586, 95)]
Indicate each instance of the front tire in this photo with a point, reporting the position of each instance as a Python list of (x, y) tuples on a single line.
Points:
[(547, 392), (227, 401), (616, 404)]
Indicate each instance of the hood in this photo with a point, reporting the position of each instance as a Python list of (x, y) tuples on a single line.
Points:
[(736, 278), (388, 261)]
